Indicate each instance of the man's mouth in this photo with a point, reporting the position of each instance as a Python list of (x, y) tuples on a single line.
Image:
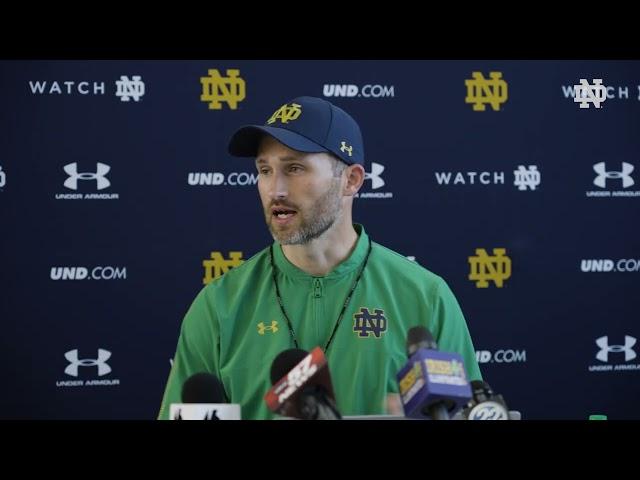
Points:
[(282, 215)]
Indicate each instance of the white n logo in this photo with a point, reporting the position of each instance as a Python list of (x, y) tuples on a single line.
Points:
[(126, 89)]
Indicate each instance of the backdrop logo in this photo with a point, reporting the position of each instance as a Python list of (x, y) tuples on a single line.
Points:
[(587, 94), (501, 356), (217, 89), (604, 175), (595, 94), (614, 355), (485, 268), (218, 265), (84, 273), (351, 91), (71, 87), (608, 265), (217, 178), (75, 362), (85, 367), (375, 175), (606, 349), (613, 178), (482, 91), (3, 178), (524, 178), (469, 178), (97, 180), (127, 89), (100, 176)]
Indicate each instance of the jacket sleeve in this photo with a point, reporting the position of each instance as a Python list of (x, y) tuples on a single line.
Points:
[(198, 349), (450, 329)]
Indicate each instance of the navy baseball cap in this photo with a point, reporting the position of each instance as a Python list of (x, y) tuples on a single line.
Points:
[(305, 124)]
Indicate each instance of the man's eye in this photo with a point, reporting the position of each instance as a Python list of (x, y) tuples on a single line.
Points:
[(295, 168)]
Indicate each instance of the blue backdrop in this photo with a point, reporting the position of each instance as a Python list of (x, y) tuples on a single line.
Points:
[(118, 202)]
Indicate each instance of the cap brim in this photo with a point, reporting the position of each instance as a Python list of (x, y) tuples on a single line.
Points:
[(245, 142)]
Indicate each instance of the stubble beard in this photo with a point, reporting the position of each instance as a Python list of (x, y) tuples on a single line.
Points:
[(321, 217)]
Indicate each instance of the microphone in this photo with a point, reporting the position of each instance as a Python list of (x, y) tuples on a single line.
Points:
[(203, 388), (302, 386), (203, 398), (433, 384), (485, 404)]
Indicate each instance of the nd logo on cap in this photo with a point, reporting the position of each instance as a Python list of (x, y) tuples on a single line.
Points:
[(308, 125), (286, 113)]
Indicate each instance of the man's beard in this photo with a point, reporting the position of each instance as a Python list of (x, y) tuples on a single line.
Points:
[(324, 213)]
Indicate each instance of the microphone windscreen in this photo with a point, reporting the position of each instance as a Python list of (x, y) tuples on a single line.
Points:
[(419, 337), (284, 363), (203, 388), (481, 390)]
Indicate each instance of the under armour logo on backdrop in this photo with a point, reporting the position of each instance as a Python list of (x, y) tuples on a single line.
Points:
[(375, 175), (75, 362), (605, 348), (603, 175), (100, 176)]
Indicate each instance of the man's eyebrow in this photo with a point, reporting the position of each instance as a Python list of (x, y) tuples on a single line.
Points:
[(288, 158)]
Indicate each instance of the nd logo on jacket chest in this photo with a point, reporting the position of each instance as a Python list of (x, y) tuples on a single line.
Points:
[(366, 323)]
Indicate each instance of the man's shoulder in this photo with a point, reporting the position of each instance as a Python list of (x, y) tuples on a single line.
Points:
[(407, 267)]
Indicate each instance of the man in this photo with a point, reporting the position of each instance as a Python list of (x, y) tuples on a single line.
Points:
[(322, 282)]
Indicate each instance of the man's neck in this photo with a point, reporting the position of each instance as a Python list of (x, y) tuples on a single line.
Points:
[(322, 255)]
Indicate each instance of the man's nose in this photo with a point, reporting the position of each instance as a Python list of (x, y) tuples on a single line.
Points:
[(279, 187)]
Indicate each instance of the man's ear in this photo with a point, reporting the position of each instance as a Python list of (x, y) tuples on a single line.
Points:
[(355, 179)]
